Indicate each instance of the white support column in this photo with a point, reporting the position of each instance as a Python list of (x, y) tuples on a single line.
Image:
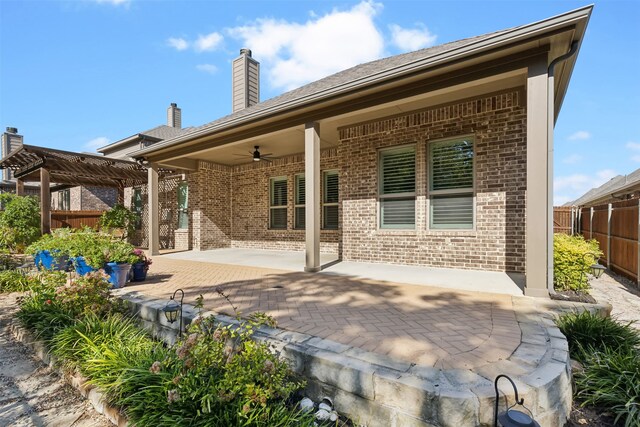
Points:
[(312, 195), (45, 202), (539, 267), (154, 217)]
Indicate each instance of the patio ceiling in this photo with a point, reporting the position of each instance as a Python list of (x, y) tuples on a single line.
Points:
[(70, 168)]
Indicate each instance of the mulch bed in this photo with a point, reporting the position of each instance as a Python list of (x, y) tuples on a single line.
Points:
[(574, 296)]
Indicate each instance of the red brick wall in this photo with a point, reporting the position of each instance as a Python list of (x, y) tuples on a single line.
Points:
[(498, 124)]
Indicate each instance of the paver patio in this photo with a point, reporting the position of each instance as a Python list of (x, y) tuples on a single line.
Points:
[(428, 326)]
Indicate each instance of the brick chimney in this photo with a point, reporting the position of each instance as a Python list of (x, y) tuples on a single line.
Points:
[(245, 81), (174, 116), (10, 141)]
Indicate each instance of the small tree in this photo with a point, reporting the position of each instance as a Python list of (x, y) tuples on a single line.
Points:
[(19, 221), (119, 217)]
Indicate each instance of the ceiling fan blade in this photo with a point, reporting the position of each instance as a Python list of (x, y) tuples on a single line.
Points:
[(266, 154)]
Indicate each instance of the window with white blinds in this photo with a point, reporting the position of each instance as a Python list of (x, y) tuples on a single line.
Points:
[(330, 197), (299, 213), (278, 203), (451, 178), (397, 188)]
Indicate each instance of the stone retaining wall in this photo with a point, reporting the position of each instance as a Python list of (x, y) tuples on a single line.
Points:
[(375, 390)]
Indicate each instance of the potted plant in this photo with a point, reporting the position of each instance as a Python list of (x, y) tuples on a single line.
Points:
[(87, 250), (119, 256), (118, 221), (50, 251), (140, 267)]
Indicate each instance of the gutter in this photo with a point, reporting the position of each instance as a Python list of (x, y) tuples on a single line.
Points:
[(509, 36), (550, 126)]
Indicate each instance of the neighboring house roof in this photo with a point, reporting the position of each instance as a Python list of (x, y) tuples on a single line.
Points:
[(155, 134), (616, 187), (375, 72)]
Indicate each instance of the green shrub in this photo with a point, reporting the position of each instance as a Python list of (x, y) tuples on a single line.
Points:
[(119, 217), (571, 261), (588, 333), (19, 221), (15, 281), (611, 380)]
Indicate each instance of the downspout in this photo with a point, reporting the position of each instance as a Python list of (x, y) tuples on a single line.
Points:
[(550, 126)]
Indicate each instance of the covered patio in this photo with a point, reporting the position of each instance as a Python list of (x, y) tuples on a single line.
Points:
[(425, 325)]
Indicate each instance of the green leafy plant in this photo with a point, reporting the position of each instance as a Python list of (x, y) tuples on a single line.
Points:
[(588, 333), (119, 218), (19, 221), (611, 380), (120, 252), (572, 258), (15, 281)]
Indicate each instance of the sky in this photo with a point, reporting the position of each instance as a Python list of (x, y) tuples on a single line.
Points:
[(79, 74)]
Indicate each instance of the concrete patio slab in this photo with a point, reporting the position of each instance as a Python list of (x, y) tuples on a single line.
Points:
[(467, 280)]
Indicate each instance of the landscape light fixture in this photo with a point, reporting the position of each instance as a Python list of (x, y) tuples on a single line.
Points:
[(172, 308), (512, 417), (597, 270)]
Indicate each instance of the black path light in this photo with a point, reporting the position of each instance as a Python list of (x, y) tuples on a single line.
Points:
[(172, 308), (512, 417)]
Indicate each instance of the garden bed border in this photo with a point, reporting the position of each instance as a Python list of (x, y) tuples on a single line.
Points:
[(376, 390)]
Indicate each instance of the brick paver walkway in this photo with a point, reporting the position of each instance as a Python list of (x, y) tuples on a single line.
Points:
[(427, 326)]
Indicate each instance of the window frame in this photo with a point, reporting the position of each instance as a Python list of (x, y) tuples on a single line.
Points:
[(285, 206), (64, 198), (397, 196), (471, 191), (324, 203), (183, 212), (296, 202)]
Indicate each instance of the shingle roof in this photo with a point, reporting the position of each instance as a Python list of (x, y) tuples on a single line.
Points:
[(615, 185), (164, 132), (349, 75)]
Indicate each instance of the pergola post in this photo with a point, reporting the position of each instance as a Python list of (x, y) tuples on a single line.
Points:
[(120, 200), (539, 201), (45, 202), (154, 217), (19, 187), (312, 196)]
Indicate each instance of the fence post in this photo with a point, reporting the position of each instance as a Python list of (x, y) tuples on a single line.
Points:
[(638, 248), (572, 220), (591, 223), (609, 215)]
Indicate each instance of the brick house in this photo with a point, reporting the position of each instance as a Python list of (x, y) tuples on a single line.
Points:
[(440, 157)]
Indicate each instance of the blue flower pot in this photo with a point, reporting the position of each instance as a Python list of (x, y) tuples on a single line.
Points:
[(118, 273), (139, 271), (50, 261), (81, 266)]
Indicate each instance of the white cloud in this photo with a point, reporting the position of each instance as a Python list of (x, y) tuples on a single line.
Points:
[(409, 39), (572, 159), (296, 53), (96, 143), (633, 146), (178, 43), (636, 158), (571, 187), (208, 42), (114, 2), (207, 68), (580, 135)]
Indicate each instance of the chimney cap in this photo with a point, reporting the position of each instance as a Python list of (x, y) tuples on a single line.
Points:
[(12, 130), (173, 104), (245, 51)]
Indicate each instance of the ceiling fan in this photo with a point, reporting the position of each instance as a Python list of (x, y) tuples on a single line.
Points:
[(257, 156)]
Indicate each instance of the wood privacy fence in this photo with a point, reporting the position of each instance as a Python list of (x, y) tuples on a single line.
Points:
[(563, 219), (75, 219), (615, 227)]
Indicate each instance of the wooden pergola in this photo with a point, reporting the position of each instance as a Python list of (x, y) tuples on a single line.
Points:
[(30, 163)]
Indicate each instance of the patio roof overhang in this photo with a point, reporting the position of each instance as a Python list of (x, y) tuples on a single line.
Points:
[(70, 168)]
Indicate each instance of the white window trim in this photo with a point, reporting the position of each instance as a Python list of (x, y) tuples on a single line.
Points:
[(382, 197), (471, 190), (285, 206)]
